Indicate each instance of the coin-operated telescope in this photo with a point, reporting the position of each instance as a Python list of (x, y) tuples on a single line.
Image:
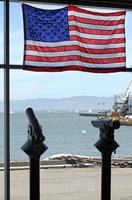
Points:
[(106, 145), (106, 140), (34, 145), (34, 148)]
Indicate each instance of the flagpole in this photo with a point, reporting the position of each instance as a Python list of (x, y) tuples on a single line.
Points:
[(6, 104)]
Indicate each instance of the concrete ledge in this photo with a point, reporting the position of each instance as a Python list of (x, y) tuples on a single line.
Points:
[(46, 164)]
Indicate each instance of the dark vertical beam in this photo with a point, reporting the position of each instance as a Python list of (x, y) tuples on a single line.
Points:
[(6, 104)]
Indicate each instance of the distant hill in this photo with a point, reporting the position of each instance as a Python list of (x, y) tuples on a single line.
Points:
[(66, 104)]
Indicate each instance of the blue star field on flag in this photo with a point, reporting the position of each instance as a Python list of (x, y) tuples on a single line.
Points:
[(46, 25)]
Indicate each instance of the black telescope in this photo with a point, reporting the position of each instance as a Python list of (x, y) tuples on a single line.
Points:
[(34, 125), (103, 124), (34, 148), (106, 145)]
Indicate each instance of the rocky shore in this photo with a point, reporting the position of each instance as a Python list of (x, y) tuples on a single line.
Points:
[(121, 162), (69, 160)]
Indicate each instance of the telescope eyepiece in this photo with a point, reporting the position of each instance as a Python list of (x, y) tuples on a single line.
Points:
[(102, 124)]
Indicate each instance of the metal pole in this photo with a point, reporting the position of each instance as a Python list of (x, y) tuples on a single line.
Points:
[(34, 178), (6, 104), (106, 176)]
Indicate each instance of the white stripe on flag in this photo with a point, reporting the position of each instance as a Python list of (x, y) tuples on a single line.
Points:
[(98, 27), (99, 37)]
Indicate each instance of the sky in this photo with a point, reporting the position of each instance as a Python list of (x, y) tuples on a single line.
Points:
[(33, 85)]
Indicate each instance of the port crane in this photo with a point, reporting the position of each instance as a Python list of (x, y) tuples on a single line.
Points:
[(126, 96)]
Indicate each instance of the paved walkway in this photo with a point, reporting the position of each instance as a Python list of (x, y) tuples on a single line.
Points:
[(70, 184)]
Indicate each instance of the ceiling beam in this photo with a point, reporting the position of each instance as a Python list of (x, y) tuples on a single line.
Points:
[(19, 67), (125, 4)]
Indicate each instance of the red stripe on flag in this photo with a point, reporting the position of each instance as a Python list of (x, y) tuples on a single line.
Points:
[(74, 68), (112, 14), (96, 31), (74, 58), (75, 48), (97, 41), (96, 21)]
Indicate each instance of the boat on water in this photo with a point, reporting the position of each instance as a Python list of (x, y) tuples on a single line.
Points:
[(122, 109), (89, 114), (102, 113)]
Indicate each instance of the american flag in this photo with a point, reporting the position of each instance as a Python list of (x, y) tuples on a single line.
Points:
[(72, 38)]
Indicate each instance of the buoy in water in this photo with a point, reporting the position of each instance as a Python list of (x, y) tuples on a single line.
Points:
[(83, 131)]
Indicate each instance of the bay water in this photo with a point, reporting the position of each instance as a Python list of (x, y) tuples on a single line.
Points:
[(66, 133)]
